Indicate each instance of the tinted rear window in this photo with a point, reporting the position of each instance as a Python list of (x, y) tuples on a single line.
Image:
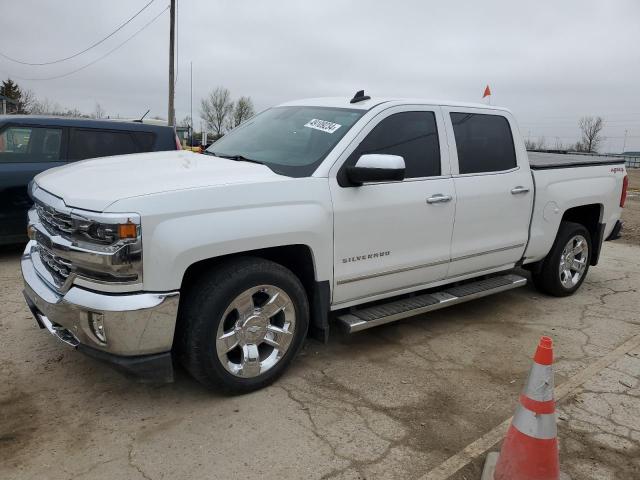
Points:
[(145, 141), (484, 143), (92, 143)]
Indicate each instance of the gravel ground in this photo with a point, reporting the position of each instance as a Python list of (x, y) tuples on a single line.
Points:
[(631, 212), (392, 402)]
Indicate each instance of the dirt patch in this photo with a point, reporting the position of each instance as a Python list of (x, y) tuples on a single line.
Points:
[(631, 211), (18, 423)]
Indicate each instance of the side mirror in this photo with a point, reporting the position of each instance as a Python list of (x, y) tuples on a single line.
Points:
[(376, 168)]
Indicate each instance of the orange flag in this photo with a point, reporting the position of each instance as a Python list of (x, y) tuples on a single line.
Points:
[(487, 92)]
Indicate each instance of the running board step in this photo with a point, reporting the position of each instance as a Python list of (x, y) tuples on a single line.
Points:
[(361, 319)]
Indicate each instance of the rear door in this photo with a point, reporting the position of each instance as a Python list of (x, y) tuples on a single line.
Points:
[(388, 237), (25, 151), (494, 191)]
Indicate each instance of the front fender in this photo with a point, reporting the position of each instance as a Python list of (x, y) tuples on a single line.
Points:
[(185, 227)]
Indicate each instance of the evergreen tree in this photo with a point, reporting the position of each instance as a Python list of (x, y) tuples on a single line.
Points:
[(12, 90)]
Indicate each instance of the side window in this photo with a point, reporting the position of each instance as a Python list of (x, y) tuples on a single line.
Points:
[(92, 143), (484, 143), (412, 135), (30, 144), (146, 141)]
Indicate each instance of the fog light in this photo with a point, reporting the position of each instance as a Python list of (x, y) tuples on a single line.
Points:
[(96, 322), (31, 232)]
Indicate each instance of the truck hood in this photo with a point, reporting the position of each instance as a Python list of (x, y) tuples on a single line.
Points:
[(96, 184)]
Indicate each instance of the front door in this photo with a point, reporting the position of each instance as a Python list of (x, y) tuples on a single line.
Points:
[(392, 237), (494, 190)]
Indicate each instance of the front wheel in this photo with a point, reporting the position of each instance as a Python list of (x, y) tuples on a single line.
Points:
[(565, 267), (242, 325)]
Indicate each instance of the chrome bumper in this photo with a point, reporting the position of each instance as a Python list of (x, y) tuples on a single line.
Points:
[(134, 324)]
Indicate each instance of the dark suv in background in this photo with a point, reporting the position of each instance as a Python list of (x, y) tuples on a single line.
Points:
[(30, 144)]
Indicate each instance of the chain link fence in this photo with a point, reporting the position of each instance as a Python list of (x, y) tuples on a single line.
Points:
[(632, 162)]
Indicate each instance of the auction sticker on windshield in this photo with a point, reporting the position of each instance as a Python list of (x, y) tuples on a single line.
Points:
[(323, 125)]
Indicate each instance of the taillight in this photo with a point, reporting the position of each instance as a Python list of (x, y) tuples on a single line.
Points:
[(178, 144), (623, 195)]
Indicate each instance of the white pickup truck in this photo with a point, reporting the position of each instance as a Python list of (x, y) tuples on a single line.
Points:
[(308, 212)]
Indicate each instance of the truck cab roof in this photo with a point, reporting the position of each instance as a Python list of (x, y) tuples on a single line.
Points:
[(343, 102)]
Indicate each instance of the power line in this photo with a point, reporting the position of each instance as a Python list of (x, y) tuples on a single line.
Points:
[(101, 57), (21, 62)]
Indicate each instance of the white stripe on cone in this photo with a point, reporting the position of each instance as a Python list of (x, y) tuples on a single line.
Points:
[(539, 384), (537, 425)]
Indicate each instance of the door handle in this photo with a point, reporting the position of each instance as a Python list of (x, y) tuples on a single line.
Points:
[(519, 189), (439, 198)]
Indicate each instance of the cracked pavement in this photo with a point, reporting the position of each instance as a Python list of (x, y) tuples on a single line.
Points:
[(391, 402), (600, 424)]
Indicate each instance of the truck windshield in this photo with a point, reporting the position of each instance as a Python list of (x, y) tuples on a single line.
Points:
[(291, 141)]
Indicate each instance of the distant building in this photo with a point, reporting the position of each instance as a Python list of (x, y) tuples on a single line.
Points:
[(7, 105), (631, 154)]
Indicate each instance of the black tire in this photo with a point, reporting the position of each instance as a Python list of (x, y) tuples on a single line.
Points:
[(202, 310), (547, 278)]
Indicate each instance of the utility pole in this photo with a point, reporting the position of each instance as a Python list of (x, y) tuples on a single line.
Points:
[(624, 144), (172, 16)]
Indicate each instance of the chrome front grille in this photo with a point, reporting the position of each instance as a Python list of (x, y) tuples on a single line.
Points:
[(56, 222), (57, 266)]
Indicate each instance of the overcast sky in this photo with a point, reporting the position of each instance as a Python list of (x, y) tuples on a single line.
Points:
[(549, 61)]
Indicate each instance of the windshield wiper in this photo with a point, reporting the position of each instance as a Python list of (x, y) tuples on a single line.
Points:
[(237, 158)]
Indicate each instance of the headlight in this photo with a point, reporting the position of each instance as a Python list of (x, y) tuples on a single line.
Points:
[(107, 233)]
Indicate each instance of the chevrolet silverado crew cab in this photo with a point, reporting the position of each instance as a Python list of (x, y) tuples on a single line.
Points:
[(361, 211)]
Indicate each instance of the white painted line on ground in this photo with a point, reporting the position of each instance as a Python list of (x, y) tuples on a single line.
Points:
[(489, 439)]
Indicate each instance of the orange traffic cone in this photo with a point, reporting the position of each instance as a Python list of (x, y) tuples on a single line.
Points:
[(530, 449)]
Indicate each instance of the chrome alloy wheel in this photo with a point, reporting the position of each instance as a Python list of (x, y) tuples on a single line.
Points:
[(256, 331), (573, 261)]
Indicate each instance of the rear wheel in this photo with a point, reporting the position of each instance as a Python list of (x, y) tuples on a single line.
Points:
[(242, 325), (566, 266)]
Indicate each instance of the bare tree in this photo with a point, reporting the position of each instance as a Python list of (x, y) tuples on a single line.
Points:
[(185, 122), (216, 109), (529, 144), (242, 110), (580, 147), (26, 103), (591, 128), (98, 111), (45, 107), (540, 144), (559, 145)]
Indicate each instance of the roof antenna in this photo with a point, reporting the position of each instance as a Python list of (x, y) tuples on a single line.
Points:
[(142, 117), (359, 97)]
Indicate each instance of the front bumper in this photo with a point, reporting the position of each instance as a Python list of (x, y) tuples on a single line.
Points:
[(138, 327)]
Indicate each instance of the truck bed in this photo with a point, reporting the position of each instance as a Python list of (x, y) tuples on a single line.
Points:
[(546, 160)]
